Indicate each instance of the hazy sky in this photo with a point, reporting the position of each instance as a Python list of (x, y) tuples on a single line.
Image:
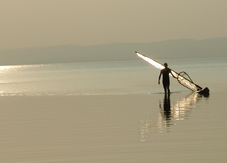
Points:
[(88, 22)]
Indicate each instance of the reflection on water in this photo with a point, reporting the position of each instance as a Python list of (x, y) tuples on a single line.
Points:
[(169, 115), (88, 78)]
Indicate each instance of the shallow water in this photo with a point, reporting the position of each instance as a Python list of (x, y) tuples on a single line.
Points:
[(114, 128), (111, 112), (106, 78)]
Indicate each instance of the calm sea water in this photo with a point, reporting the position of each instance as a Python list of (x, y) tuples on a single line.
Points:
[(106, 78), (111, 112)]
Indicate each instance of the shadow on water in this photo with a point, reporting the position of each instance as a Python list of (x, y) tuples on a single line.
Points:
[(169, 115)]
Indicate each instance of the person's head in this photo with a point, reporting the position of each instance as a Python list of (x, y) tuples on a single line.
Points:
[(166, 65)]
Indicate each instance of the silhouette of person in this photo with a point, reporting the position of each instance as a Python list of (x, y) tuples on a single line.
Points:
[(165, 78)]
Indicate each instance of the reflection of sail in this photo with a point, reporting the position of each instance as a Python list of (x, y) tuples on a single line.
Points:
[(180, 109), (182, 77), (168, 115)]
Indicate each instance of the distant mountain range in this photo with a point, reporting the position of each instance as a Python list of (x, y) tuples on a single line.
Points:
[(183, 48)]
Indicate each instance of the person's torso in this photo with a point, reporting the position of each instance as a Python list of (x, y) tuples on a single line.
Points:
[(165, 73)]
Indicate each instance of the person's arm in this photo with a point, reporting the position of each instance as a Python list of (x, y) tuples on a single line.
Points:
[(159, 77), (172, 74)]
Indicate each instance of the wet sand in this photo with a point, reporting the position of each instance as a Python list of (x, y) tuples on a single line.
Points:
[(113, 128)]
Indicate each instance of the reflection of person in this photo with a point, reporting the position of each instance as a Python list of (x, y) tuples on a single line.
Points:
[(166, 106), (165, 77)]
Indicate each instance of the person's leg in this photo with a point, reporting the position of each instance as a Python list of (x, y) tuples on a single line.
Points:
[(165, 88), (168, 90)]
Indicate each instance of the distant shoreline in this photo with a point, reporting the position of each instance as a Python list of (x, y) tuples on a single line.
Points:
[(182, 48)]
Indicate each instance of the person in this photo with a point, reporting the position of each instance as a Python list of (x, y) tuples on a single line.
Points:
[(165, 78)]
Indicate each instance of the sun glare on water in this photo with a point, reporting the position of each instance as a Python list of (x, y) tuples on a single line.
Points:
[(8, 69), (5, 68)]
